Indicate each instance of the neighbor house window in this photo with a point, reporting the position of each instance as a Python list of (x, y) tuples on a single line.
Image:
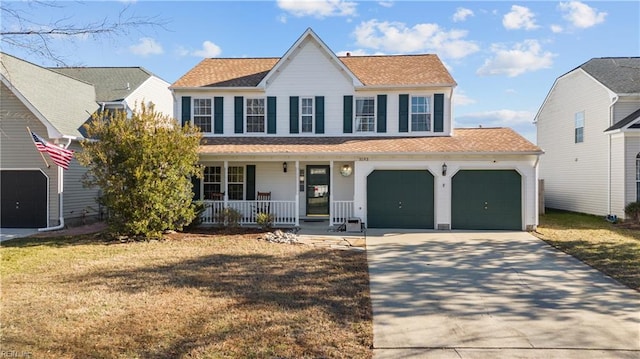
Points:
[(202, 114), (638, 177), (420, 113), (212, 182), (255, 115), (579, 127), (365, 114), (235, 182), (306, 114)]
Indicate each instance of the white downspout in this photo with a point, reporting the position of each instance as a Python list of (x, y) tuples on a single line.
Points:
[(60, 199), (615, 99)]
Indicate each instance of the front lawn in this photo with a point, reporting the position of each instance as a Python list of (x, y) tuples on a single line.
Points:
[(612, 248), (195, 296)]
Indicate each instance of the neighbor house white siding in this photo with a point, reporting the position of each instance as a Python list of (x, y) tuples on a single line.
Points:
[(576, 175), (153, 90), (618, 178), (632, 149), (17, 148), (79, 202)]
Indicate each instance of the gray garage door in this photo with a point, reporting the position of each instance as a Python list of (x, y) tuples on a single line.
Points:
[(486, 200), (24, 199), (400, 199)]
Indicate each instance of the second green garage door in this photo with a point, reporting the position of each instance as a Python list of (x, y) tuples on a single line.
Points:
[(486, 200), (400, 199)]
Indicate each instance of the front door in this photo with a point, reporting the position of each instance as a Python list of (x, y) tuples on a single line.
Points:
[(317, 190)]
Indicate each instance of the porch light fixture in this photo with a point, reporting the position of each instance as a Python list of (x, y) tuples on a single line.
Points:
[(444, 169), (346, 170), (284, 167)]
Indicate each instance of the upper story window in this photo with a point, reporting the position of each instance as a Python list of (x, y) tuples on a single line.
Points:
[(306, 114), (365, 114), (420, 113), (579, 127), (235, 180), (638, 177), (255, 114), (202, 114), (212, 182)]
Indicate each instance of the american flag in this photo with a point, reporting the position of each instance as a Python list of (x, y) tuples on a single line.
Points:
[(60, 156)]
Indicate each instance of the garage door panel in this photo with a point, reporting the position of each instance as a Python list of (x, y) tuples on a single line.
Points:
[(400, 199), (24, 199), (489, 199)]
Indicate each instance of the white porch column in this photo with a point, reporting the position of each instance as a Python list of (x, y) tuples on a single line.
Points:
[(224, 182), (331, 193), (296, 184)]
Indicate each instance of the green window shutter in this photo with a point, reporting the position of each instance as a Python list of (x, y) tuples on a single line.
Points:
[(251, 183), (347, 118), (195, 181), (186, 109), (218, 117), (293, 114), (403, 113), (438, 112), (271, 114), (382, 113), (239, 114), (319, 114)]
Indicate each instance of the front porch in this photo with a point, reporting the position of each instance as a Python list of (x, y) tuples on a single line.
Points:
[(285, 213)]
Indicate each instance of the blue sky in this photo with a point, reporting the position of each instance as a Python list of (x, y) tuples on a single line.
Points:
[(504, 55)]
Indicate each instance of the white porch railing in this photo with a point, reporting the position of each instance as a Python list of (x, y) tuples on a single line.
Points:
[(284, 212), (342, 210)]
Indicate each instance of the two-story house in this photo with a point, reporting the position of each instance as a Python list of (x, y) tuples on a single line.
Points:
[(589, 128), (55, 105), (314, 136)]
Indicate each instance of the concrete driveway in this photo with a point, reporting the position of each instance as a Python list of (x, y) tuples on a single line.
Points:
[(494, 295)]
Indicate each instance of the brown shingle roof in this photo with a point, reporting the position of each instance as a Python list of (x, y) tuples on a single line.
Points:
[(465, 140), (393, 70)]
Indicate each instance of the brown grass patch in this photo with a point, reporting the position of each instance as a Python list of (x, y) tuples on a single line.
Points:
[(612, 249), (193, 295)]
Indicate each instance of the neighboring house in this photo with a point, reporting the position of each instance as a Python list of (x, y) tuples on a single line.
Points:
[(56, 106), (122, 88), (313, 136), (589, 128)]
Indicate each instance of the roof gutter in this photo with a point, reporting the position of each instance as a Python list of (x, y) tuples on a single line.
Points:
[(271, 154), (218, 89)]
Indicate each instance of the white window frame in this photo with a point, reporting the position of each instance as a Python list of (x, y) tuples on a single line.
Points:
[(231, 172), (429, 113), (247, 114), (357, 119), (210, 179), (578, 124), (210, 115), (310, 115)]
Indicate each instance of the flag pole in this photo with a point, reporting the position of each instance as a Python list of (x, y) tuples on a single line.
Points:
[(34, 143)]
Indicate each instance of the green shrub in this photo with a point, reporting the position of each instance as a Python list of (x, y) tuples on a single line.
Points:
[(264, 220), (228, 217), (633, 210)]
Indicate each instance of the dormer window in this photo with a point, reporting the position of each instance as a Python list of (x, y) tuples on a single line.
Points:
[(202, 114), (365, 114), (255, 110), (420, 113)]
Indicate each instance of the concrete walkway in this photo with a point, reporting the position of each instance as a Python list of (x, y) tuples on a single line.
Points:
[(494, 295)]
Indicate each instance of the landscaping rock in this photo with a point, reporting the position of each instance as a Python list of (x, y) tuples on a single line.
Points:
[(279, 236)]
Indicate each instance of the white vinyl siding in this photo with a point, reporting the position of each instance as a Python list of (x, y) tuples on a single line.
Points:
[(156, 91), (79, 202), (576, 177)]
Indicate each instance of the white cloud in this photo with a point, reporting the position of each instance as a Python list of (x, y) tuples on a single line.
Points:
[(461, 99), (520, 17), (556, 29), (396, 37), (581, 15), (462, 14), (523, 57), (318, 8), (385, 3), (146, 46), (209, 49)]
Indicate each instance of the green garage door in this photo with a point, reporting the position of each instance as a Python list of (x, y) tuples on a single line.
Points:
[(486, 200), (400, 199)]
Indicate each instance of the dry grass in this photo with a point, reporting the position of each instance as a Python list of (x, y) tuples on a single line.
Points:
[(612, 249), (195, 296)]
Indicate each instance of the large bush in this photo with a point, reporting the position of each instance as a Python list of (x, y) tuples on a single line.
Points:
[(143, 165), (633, 211)]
